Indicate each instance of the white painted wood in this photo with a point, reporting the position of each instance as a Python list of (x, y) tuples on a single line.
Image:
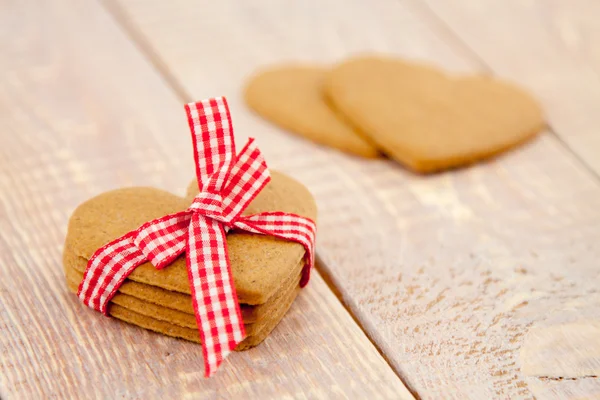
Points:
[(569, 350), (447, 273)]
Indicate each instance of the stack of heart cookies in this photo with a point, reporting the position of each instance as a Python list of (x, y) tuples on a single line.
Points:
[(266, 270), (416, 114)]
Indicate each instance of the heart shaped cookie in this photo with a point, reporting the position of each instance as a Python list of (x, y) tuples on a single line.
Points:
[(428, 120), (266, 270), (291, 96)]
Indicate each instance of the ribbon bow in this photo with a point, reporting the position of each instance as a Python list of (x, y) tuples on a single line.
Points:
[(227, 183)]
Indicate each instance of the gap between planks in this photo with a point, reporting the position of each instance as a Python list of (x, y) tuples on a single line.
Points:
[(146, 49), (331, 284)]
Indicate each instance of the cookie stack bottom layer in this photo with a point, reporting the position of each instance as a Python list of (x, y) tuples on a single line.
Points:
[(171, 313)]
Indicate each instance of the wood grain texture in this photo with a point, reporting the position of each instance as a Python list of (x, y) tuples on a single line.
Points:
[(551, 47), (446, 272), (569, 350), (561, 359), (81, 111)]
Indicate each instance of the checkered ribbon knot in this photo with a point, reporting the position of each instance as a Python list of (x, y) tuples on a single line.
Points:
[(227, 184)]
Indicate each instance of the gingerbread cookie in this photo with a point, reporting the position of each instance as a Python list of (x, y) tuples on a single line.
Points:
[(74, 267), (259, 263), (428, 120), (291, 96), (266, 270)]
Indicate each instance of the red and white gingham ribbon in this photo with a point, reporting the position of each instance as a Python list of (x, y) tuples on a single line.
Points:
[(227, 183)]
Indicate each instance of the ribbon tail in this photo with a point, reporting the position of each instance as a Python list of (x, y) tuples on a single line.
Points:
[(214, 297), (212, 136), (285, 226)]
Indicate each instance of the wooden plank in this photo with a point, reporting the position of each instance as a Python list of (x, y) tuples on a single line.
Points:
[(561, 359), (448, 272), (550, 47), (82, 111)]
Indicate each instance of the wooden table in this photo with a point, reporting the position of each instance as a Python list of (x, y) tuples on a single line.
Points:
[(479, 283)]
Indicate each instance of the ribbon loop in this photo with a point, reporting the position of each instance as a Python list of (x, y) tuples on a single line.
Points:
[(248, 177)]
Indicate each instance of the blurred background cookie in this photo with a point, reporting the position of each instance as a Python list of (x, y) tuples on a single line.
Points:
[(291, 96), (428, 120)]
